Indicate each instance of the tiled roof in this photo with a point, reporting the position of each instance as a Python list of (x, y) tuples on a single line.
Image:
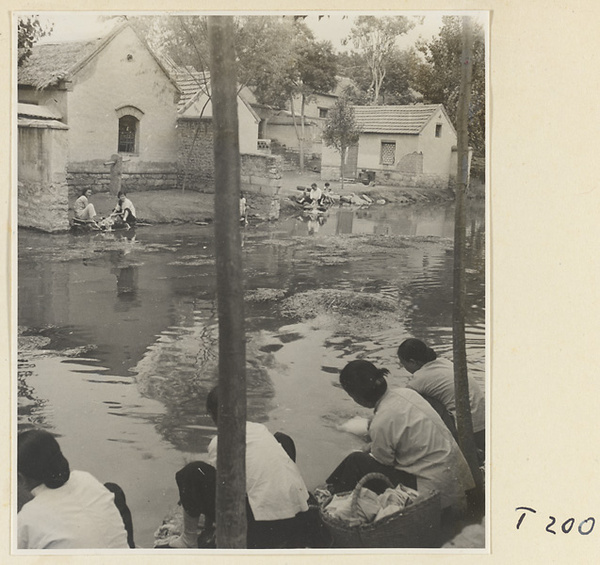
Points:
[(187, 78), (35, 111), (51, 62), (394, 119)]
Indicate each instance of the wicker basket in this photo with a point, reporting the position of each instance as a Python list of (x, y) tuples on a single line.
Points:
[(417, 525)]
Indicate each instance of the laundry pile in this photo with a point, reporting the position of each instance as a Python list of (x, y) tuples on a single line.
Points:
[(370, 507)]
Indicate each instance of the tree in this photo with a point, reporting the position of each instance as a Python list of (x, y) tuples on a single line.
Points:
[(29, 31), (395, 89), (461, 385), (341, 131), (375, 39), (438, 77)]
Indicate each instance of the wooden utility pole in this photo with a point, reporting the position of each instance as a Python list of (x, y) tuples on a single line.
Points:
[(231, 450), (461, 385)]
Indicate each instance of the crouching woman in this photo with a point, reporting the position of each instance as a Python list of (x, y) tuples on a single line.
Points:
[(62, 509), (409, 442)]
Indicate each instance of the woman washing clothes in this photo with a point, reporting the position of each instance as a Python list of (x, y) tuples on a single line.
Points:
[(124, 211), (409, 442)]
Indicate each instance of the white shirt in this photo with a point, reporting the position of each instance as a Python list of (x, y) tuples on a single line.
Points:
[(408, 434), (80, 205), (315, 193), (274, 486), (436, 379), (126, 205), (79, 515)]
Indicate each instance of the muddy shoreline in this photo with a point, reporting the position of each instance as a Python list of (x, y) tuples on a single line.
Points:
[(177, 206)]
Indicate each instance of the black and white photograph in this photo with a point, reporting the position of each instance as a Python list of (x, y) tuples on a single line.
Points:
[(269, 228)]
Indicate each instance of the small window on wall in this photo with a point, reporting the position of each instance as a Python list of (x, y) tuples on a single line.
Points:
[(323, 112), (438, 130), (128, 134), (388, 152)]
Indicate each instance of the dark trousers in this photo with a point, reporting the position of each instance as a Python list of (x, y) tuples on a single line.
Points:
[(123, 509), (356, 465), (197, 483)]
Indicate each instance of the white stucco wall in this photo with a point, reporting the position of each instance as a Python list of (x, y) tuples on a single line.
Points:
[(247, 121), (110, 81), (369, 152), (437, 151)]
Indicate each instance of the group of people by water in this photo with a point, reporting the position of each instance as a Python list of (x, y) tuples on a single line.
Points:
[(315, 199), (123, 215), (411, 441)]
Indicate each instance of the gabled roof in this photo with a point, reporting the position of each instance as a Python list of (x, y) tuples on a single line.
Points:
[(188, 79), (49, 63), (192, 110), (396, 119)]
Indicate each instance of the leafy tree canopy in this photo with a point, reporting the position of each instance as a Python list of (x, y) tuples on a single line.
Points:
[(438, 77), (29, 31), (374, 39)]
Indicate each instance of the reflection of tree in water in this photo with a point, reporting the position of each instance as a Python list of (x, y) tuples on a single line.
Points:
[(30, 406), (432, 303), (179, 370)]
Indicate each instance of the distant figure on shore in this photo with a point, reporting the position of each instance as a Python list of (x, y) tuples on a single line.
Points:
[(243, 209), (64, 509), (433, 376), (83, 209), (409, 442), (124, 210), (276, 496)]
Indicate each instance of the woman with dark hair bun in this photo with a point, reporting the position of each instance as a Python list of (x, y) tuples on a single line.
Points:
[(64, 509), (409, 442), (433, 377)]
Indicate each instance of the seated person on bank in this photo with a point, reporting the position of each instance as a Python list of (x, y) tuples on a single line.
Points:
[(63, 509), (83, 209), (433, 377), (409, 442), (276, 496), (124, 210)]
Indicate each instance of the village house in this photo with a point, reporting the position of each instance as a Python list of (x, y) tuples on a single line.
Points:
[(117, 99), (409, 146), (281, 131), (120, 104)]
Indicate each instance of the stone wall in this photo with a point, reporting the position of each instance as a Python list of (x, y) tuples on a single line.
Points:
[(411, 180), (131, 182), (42, 184), (43, 206), (260, 172), (196, 163)]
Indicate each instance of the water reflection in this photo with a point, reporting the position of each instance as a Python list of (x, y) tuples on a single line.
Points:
[(127, 335)]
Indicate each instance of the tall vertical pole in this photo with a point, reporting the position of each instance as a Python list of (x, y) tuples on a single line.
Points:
[(461, 385), (231, 451)]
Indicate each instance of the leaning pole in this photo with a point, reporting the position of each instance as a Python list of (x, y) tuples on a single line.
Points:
[(231, 451), (461, 385)]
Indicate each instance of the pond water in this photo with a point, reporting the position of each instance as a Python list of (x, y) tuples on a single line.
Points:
[(118, 337)]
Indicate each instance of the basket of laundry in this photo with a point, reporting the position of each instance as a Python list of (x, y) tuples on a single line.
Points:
[(399, 517)]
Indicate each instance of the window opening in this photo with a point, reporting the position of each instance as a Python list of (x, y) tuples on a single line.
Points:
[(128, 127), (388, 152)]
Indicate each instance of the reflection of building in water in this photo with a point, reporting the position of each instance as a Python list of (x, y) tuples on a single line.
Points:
[(345, 221), (127, 281), (383, 229)]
